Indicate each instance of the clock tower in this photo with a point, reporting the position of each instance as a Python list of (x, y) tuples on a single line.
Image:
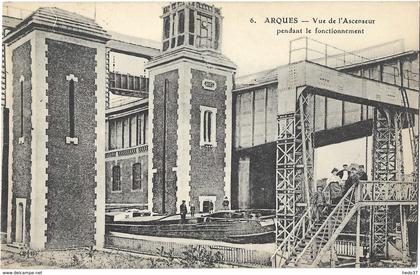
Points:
[(190, 112)]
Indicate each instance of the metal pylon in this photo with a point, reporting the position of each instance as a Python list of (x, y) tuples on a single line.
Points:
[(387, 166), (294, 166)]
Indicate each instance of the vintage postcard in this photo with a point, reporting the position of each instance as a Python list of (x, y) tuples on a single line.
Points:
[(149, 135)]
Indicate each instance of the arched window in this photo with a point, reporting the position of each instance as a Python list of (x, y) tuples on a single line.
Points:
[(116, 178), (208, 126)]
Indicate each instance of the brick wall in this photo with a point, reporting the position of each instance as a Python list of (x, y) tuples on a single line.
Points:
[(207, 163), (21, 166), (127, 195), (71, 176), (171, 141)]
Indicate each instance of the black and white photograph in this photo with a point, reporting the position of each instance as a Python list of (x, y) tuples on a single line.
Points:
[(196, 135)]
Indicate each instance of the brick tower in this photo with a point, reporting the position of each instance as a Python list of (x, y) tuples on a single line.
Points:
[(56, 71), (190, 111)]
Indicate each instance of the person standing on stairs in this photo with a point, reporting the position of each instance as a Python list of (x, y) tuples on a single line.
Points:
[(345, 173), (353, 180), (362, 174), (318, 202), (335, 187)]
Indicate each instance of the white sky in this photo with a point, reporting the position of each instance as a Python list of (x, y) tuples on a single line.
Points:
[(254, 47)]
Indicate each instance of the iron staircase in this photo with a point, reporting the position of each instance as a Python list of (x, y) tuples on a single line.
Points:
[(312, 240)]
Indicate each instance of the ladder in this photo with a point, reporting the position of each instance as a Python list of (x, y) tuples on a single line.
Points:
[(313, 240)]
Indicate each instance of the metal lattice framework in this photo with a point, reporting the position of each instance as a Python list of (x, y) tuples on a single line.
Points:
[(387, 166), (294, 170)]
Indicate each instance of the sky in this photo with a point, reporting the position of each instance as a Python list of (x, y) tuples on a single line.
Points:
[(256, 46)]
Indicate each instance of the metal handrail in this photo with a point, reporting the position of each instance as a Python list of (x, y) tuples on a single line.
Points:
[(341, 204), (299, 225)]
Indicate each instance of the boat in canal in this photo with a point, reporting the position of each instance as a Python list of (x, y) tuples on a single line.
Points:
[(235, 226)]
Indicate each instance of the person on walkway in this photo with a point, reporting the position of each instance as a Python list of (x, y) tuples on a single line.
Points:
[(352, 180), (192, 210), (211, 207), (335, 187), (225, 203), (362, 174), (344, 173), (183, 210), (318, 202)]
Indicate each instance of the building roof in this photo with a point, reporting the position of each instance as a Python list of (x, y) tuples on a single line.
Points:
[(56, 20), (259, 78), (270, 75)]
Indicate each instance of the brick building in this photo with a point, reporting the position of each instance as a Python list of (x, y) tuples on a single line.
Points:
[(56, 83)]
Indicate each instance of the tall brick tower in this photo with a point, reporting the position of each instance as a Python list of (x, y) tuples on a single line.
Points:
[(56, 71), (190, 111)]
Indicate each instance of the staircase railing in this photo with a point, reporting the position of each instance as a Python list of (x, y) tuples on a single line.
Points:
[(332, 225), (388, 191), (288, 245)]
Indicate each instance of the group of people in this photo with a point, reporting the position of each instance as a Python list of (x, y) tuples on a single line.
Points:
[(183, 210), (339, 183)]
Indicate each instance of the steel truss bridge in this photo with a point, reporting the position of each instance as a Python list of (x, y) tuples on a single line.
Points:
[(300, 241)]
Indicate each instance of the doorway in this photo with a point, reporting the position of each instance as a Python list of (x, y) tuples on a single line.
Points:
[(20, 221)]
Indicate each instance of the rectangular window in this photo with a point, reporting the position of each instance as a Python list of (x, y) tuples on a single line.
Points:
[(166, 26), (140, 128), (136, 185), (119, 134), (126, 132), (208, 126), (191, 22), (181, 22), (133, 130), (146, 123), (116, 178), (112, 135), (217, 34)]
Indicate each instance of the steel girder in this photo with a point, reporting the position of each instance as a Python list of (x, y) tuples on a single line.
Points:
[(294, 166)]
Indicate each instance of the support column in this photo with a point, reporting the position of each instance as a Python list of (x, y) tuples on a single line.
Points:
[(387, 166), (295, 157), (404, 234), (358, 250), (285, 176)]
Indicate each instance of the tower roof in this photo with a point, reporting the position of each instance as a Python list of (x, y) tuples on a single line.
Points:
[(56, 20)]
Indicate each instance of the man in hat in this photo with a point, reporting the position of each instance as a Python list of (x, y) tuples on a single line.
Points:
[(345, 173), (183, 210), (318, 202), (353, 180), (225, 203), (361, 173), (335, 187)]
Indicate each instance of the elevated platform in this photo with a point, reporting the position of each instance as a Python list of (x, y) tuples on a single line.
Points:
[(297, 77), (297, 248)]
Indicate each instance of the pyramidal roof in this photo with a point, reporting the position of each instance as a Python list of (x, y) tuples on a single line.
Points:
[(56, 20)]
